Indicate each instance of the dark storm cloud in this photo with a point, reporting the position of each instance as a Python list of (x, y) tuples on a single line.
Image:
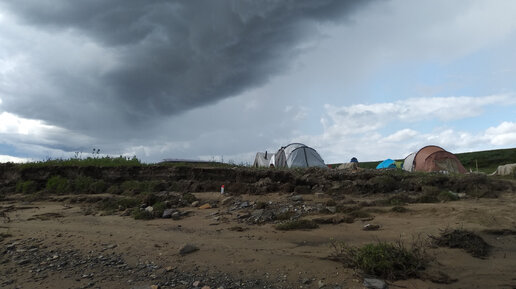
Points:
[(171, 55)]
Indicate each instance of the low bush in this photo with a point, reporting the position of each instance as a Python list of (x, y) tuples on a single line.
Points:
[(82, 184), (446, 196), (26, 187), (463, 239), (58, 185), (139, 214), (392, 261)]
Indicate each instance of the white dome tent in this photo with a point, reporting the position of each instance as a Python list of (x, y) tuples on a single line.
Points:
[(297, 155)]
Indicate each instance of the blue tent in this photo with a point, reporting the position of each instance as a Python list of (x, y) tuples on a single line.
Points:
[(386, 164), (354, 160)]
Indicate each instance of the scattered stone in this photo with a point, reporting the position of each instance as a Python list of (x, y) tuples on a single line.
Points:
[(373, 283), (187, 249), (196, 283), (177, 215), (149, 209), (371, 227), (297, 198), (244, 204), (205, 206), (226, 201), (167, 213), (332, 209), (306, 281), (169, 268), (195, 203)]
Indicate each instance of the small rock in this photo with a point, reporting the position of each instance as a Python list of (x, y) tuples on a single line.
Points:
[(331, 209), (373, 283), (176, 215), (371, 227), (306, 281), (111, 246), (205, 206), (244, 204), (149, 209), (461, 195), (195, 204), (23, 262), (187, 249), (297, 198), (196, 283), (320, 284), (167, 213), (226, 201), (169, 268)]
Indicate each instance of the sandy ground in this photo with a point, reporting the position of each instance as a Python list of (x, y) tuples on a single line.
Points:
[(293, 259)]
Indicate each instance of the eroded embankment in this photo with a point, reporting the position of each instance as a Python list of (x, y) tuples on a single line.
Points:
[(237, 180)]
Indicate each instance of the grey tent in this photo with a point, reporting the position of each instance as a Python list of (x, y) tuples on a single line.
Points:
[(297, 155), (263, 159), (408, 163), (505, 170)]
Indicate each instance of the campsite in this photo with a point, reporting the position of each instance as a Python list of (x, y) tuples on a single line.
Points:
[(169, 226)]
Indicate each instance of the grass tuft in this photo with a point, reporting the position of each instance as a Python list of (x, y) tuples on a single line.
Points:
[(391, 261), (463, 239)]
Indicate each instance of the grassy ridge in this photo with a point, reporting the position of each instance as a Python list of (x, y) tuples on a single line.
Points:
[(487, 161)]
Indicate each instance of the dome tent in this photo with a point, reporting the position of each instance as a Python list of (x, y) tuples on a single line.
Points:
[(434, 159), (297, 155), (386, 164), (408, 163), (263, 159)]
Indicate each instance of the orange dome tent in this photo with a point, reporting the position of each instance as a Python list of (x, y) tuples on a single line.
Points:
[(435, 159)]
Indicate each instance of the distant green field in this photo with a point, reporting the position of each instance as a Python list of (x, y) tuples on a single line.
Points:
[(487, 161)]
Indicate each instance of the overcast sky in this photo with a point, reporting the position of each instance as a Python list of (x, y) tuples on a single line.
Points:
[(210, 79)]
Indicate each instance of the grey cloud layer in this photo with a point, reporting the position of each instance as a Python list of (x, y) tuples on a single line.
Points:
[(170, 56)]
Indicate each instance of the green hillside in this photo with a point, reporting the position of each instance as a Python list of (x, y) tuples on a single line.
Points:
[(487, 161)]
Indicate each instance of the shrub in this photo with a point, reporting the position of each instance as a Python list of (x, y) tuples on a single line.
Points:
[(158, 209), (58, 185), (82, 184), (189, 198), (446, 196), (131, 187), (463, 239), (98, 187), (297, 225), (26, 187), (142, 214), (386, 260)]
